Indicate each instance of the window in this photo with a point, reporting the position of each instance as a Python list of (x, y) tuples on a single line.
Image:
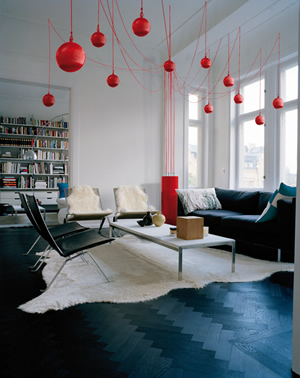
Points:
[(251, 155), (289, 126), (194, 139), (267, 155), (251, 140)]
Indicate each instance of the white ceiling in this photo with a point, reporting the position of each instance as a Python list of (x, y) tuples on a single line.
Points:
[(185, 16), (223, 17)]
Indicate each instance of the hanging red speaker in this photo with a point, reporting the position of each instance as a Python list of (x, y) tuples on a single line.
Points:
[(259, 120), (208, 108), (48, 100), (278, 103), (228, 81), (98, 39), (169, 66), (70, 56), (113, 80), (205, 62), (141, 26), (238, 98)]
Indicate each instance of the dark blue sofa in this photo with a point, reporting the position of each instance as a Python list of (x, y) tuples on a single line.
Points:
[(236, 220)]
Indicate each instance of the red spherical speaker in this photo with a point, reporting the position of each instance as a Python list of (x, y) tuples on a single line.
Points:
[(141, 26), (113, 80), (205, 62), (70, 56), (259, 120), (238, 98), (208, 108), (278, 103), (228, 81), (98, 39), (48, 100), (169, 66)]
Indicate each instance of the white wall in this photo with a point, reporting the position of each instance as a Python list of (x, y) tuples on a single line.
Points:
[(115, 133)]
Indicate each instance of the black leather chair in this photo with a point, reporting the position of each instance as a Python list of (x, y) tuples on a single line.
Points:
[(56, 231), (70, 246)]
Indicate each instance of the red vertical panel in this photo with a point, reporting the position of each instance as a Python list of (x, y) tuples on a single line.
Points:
[(169, 198)]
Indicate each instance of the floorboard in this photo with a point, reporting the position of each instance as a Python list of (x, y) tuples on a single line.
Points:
[(223, 330)]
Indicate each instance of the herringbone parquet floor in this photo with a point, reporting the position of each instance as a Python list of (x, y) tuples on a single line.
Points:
[(223, 330)]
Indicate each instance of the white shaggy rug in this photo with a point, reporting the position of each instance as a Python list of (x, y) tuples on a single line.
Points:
[(140, 271)]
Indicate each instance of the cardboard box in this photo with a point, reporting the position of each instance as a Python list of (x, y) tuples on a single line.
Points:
[(190, 228)]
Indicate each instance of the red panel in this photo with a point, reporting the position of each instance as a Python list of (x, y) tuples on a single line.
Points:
[(169, 198)]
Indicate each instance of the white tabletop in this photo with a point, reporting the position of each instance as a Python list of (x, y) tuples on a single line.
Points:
[(161, 235)]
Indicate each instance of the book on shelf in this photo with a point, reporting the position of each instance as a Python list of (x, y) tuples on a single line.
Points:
[(40, 184), (9, 182)]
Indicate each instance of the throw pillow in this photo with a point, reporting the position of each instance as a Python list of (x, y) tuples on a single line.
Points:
[(198, 199), (270, 211), (62, 186)]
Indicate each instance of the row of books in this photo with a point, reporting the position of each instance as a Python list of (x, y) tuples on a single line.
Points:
[(16, 142), (36, 168), (42, 143), (13, 120), (34, 122), (43, 122), (9, 182), (29, 183), (37, 131), (50, 155)]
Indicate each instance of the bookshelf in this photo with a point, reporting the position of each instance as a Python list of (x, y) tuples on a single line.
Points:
[(49, 141)]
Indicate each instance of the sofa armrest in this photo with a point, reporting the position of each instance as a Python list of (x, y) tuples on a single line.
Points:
[(180, 211), (286, 212)]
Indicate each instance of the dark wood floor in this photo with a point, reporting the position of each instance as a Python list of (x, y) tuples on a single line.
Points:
[(223, 330)]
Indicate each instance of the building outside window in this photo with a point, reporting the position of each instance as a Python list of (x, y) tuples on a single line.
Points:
[(270, 151), (194, 141), (289, 126), (251, 139)]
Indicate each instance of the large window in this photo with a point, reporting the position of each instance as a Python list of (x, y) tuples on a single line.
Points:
[(289, 126), (194, 140), (251, 139), (267, 154)]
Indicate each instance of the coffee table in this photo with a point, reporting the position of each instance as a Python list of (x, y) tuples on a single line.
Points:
[(161, 235)]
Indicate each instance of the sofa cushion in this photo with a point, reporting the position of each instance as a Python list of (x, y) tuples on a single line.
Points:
[(248, 223), (241, 201), (194, 199), (214, 217), (270, 211)]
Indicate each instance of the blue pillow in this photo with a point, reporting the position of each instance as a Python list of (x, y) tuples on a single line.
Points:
[(270, 211), (62, 186)]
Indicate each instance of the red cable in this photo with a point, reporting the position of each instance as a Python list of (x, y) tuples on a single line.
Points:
[(228, 51), (170, 32), (278, 64), (162, 4), (71, 36), (260, 82), (113, 39), (205, 9), (159, 65), (239, 83), (196, 49), (49, 56)]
